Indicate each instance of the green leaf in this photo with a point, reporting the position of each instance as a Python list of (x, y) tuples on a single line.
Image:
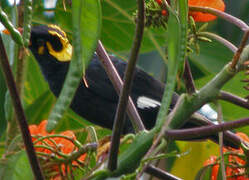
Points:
[(129, 160), (199, 152), (177, 29), (204, 173), (71, 120), (119, 27), (38, 15), (90, 24), (35, 85), (27, 19), (15, 167), (40, 108), (8, 107), (213, 56), (64, 16)]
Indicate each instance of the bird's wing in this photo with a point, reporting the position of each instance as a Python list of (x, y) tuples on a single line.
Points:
[(98, 81), (146, 90)]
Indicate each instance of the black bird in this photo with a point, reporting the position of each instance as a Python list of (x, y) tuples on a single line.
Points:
[(97, 103)]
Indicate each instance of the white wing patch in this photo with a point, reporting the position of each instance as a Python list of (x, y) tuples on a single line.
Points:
[(145, 102)]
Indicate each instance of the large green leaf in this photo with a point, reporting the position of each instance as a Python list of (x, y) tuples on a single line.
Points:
[(177, 44), (15, 167), (213, 56), (119, 27), (195, 154), (35, 84), (40, 108)]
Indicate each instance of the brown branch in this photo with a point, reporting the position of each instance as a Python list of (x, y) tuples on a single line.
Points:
[(234, 99), (240, 49), (159, 173), (128, 78), (220, 39), (198, 132), (188, 78), (20, 116), (118, 84)]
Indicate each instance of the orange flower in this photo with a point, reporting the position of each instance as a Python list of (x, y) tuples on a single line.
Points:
[(234, 172), (54, 145), (215, 168), (200, 16), (204, 17)]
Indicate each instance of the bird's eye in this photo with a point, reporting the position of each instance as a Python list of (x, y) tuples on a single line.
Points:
[(40, 42)]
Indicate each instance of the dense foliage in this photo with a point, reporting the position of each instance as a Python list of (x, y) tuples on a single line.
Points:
[(114, 23)]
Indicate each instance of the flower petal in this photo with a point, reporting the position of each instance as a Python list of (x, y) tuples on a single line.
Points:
[(204, 17)]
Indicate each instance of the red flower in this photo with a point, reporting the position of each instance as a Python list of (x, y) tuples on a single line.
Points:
[(234, 169), (204, 17), (54, 145)]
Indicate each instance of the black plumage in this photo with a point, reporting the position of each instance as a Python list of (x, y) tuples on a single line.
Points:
[(97, 102)]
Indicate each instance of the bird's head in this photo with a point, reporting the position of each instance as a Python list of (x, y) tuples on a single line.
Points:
[(50, 40), (53, 52)]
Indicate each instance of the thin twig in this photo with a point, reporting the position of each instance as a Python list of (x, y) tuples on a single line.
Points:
[(221, 143), (240, 49), (19, 113), (220, 39), (188, 78), (230, 139), (205, 130), (84, 149), (160, 147), (226, 96), (118, 84), (236, 21), (128, 78), (41, 138), (154, 171)]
